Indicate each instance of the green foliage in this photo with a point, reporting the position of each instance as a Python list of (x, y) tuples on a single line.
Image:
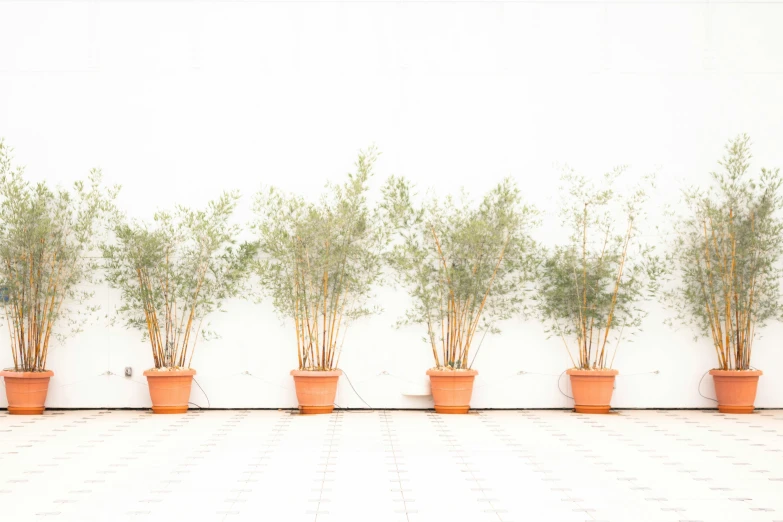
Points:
[(320, 261), (592, 285), (726, 254), (46, 235), (174, 272), (464, 265)]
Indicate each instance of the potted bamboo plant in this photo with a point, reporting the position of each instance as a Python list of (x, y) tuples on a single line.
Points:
[(589, 289), (172, 274), (318, 263), (45, 235), (465, 267), (727, 255)]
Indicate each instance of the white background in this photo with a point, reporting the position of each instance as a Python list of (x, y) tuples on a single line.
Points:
[(179, 100)]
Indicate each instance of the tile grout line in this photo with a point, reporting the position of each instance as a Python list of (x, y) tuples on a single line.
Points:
[(33, 422), (125, 424), (241, 444), (167, 483), (633, 483), (387, 420), (528, 460), (590, 419), (100, 414), (277, 429), (452, 448), (335, 419)]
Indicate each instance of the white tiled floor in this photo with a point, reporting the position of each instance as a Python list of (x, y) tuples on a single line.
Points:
[(392, 466)]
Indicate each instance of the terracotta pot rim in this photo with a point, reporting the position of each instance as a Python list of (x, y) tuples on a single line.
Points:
[(316, 373), (154, 372), (737, 373), (452, 373), (592, 373), (26, 375)]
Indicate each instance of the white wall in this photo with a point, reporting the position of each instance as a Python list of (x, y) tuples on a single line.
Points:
[(177, 100)]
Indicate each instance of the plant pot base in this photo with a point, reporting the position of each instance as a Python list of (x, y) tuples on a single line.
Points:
[(736, 389), (452, 409), (592, 409), (735, 409), (169, 409), (451, 390), (26, 391), (316, 390), (22, 410), (592, 390), (170, 390), (315, 410)]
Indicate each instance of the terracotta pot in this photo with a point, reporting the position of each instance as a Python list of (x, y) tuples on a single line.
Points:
[(451, 389), (316, 390), (170, 390), (736, 389), (26, 391), (592, 389)]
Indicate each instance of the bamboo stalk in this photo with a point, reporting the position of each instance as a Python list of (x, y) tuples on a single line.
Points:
[(296, 319), (148, 319), (616, 348), (579, 330), (340, 352), (334, 315), (56, 306), (623, 257), (589, 339), (11, 336), (716, 318), (486, 294), (728, 289), (326, 293), (337, 333), (195, 341), (193, 306), (432, 340), (30, 327), (11, 322), (584, 283), (751, 325), (568, 350), (450, 333), (442, 326), (748, 320), (456, 341), (710, 317), (449, 336)]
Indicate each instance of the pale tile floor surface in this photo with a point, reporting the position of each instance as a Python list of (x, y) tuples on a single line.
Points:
[(391, 466)]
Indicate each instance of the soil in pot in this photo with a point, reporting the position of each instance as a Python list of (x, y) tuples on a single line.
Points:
[(451, 389), (592, 389), (736, 389), (170, 389), (316, 390), (26, 391)]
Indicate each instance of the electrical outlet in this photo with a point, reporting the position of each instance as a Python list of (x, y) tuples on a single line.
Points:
[(128, 371)]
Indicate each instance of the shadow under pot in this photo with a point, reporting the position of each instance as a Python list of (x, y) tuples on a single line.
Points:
[(26, 391), (451, 389), (592, 389), (316, 390), (170, 389), (736, 389)]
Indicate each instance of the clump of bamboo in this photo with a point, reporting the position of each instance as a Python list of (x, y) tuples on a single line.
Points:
[(45, 238), (589, 289), (174, 273), (465, 266), (319, 261), (727, 250)]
